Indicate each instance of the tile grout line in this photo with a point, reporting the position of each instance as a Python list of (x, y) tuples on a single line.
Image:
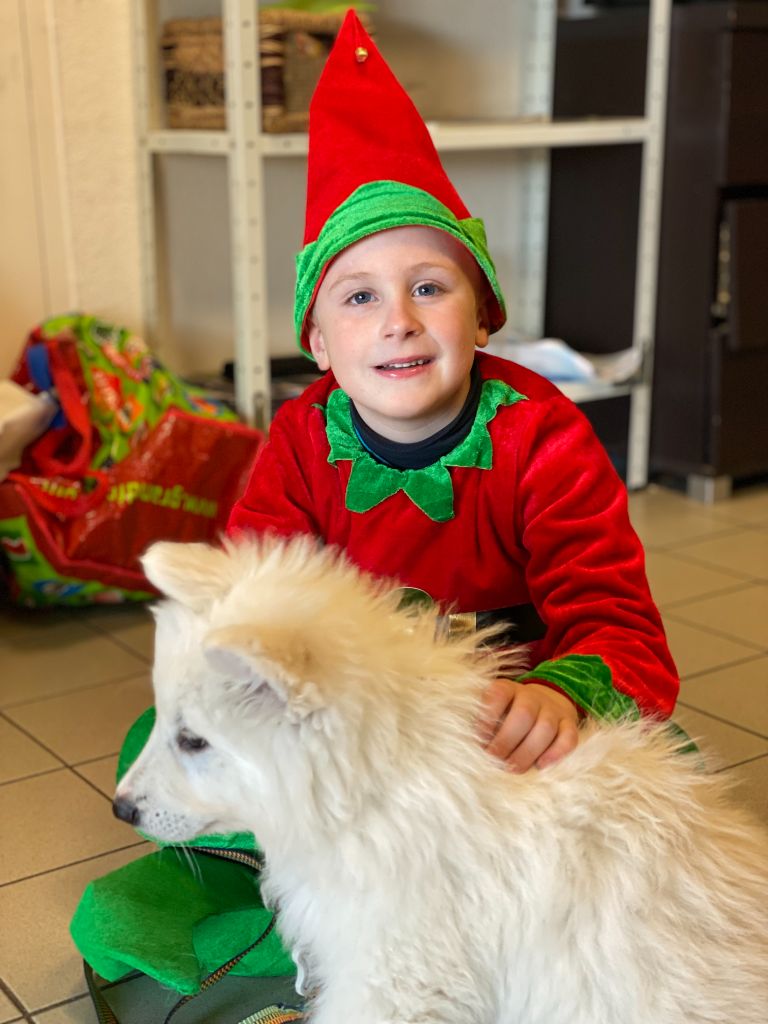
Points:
[(701, 563), (88, 782), (718, 534), (740, 764), (94, 760), (72, 766), (63, 767), (85, 996), (38, 743), (685, 542), (719, 668), (78, 689), (126, 647), (34, 775), (708, 595), (711, 631), (73, 864), (725, 721), (681, 555), (102, 631), (11, 996)]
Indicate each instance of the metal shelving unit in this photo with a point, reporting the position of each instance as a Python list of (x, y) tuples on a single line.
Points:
[(530, 137)]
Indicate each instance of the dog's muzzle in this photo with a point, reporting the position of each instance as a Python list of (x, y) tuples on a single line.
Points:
[(126, 810)]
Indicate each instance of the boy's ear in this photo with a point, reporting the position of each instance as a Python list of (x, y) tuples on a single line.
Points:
[(482, 333), (317, 343)]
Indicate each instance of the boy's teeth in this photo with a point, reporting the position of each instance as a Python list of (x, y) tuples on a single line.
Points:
[(403, 366)]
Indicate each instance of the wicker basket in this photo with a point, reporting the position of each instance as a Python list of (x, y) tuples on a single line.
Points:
[(293, 49)]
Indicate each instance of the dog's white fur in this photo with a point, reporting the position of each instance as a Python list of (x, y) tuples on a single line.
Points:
[(423, 883)]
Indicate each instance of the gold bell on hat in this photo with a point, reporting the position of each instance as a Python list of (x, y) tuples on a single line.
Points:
[(361, 54)]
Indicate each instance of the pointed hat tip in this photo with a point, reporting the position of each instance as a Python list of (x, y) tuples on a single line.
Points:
[(353, 37)]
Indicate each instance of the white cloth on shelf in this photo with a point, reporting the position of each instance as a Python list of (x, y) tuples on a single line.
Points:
[(23, 418), (557, 361)]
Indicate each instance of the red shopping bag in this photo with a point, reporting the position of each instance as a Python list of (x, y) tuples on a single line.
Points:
[(137, 457)]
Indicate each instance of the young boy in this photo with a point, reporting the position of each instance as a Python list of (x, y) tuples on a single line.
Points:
[(445, 468)]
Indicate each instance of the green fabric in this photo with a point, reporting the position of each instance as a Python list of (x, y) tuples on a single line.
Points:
[(431, 488), (588, 681), (378, 206), (176, 922)]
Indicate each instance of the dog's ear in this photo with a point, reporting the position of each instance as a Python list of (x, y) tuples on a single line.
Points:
[(279, 661), (192, 574)]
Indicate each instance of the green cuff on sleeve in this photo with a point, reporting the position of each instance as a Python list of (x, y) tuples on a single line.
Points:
[(588, 682)]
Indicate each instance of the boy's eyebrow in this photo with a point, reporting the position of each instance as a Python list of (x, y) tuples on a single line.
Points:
[(417, 268), (356, 275)]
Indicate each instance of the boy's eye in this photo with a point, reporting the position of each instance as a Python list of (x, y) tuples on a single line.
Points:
[(189, 742), (360, 298), (424, 290)]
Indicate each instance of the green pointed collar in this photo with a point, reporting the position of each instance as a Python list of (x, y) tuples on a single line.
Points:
[(431, 488)]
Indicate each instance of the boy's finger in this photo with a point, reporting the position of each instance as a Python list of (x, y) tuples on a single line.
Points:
[(566, 740), (497, 700), (511, 732), (535, 742)]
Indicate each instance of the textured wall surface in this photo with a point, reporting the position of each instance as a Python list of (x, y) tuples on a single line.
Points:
[(94, 51), (68, 192), (21, 278)]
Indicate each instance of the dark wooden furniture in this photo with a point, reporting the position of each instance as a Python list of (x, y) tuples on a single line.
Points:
[(710, 397)]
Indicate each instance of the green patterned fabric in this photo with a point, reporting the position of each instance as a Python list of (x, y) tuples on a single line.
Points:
[(431, 488), (129, 390), (378, 206), (588, 681)]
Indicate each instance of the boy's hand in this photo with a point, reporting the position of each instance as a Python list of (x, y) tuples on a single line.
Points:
[(525, 724)]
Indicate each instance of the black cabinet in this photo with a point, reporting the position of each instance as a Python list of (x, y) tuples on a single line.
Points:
[(710, 396)]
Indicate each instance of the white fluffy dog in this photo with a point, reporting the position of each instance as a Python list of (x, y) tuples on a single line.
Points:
[(421, 882)]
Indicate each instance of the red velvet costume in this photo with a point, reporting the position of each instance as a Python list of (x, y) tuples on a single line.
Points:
[(546, 523)]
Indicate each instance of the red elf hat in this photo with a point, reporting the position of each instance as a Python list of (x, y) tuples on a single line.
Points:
[(373, 166)]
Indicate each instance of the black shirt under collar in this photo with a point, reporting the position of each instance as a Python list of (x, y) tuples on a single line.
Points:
[(419, 454)]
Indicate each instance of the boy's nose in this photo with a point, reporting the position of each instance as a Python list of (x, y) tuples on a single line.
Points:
[(401, 319)]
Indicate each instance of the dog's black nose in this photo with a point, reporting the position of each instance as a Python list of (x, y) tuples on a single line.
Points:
[(125, 810)]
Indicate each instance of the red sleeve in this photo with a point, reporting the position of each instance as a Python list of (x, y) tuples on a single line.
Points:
[(586, 571), (278, 497)]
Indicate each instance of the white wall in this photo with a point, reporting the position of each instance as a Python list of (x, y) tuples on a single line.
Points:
[(69, 235)]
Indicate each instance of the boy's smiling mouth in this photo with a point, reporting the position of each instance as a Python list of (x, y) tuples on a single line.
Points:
[(404, 364)]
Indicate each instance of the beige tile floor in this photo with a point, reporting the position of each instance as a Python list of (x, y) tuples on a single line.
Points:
[(70, 684)]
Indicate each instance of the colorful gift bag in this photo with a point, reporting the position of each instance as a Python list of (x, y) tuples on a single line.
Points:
[(134, 455)]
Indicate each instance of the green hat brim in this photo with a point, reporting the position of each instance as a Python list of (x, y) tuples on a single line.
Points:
[(380, 206)]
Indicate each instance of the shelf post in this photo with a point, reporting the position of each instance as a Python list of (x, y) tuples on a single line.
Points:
[(537, 68), (147, 93), (646, 274), (246, 211)]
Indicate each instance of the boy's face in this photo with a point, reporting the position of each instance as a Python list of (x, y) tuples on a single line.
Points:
[(397, 318)]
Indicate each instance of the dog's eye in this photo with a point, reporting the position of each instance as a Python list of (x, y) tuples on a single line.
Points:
[(190, 743)]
